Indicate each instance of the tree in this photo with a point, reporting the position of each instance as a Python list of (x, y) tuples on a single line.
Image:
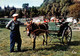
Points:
[(64, 11), (57, 1), (1, 13), (25, 6), (12, 12), (74, 10), (7, 13), (5, 8), (13, 8), (19, 11), (0, 8), (56, 7), (33, 12), (26, 10)]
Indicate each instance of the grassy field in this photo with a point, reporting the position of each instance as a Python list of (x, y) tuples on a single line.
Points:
[(54, 48)]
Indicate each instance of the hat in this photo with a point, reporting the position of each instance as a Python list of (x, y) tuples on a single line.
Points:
[(52, 18), (14, 15)]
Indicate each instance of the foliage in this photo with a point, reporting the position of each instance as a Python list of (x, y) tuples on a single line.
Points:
[(26, 11), (56, 7), (33, 12), (12, 12), (1, 13), (47, 8), (0, 8), (25, 5), (75, 10)]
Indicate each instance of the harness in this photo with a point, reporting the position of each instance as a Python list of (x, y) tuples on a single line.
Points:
[(37, 26)]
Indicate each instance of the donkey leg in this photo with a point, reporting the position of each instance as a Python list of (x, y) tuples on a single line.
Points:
[(34, 42), (43, 39), (46, 38)]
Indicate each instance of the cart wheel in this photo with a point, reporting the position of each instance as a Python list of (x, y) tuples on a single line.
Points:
[(67, 35)]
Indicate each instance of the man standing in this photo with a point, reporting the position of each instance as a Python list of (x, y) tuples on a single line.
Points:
[(13, 25)]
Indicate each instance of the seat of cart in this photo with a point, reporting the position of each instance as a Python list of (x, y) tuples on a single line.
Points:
[(53, 27)]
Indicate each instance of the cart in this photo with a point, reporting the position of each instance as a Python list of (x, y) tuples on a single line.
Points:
[(64, 34)]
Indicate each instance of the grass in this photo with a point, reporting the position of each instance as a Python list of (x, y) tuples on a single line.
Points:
[(54, 48)]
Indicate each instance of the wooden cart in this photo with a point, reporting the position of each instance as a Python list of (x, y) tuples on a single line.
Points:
[(64, 34)]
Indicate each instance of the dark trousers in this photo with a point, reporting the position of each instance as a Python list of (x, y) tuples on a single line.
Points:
[(15, 38)]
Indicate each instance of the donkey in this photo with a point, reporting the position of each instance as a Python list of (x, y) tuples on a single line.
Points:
[(36, 30)]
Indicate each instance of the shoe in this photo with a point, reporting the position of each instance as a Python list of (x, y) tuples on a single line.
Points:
[(19, 50), (11, 51)]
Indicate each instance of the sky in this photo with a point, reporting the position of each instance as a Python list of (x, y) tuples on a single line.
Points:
[(18, 3)]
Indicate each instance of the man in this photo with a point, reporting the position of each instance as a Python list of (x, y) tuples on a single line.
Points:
[(13, 25)]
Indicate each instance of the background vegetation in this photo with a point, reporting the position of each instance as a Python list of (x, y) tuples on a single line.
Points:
[(48, 8)]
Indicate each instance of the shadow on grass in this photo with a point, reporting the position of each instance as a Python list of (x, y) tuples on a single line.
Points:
[(24, 50), (74, 43), (59, 47), (55, 47)]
